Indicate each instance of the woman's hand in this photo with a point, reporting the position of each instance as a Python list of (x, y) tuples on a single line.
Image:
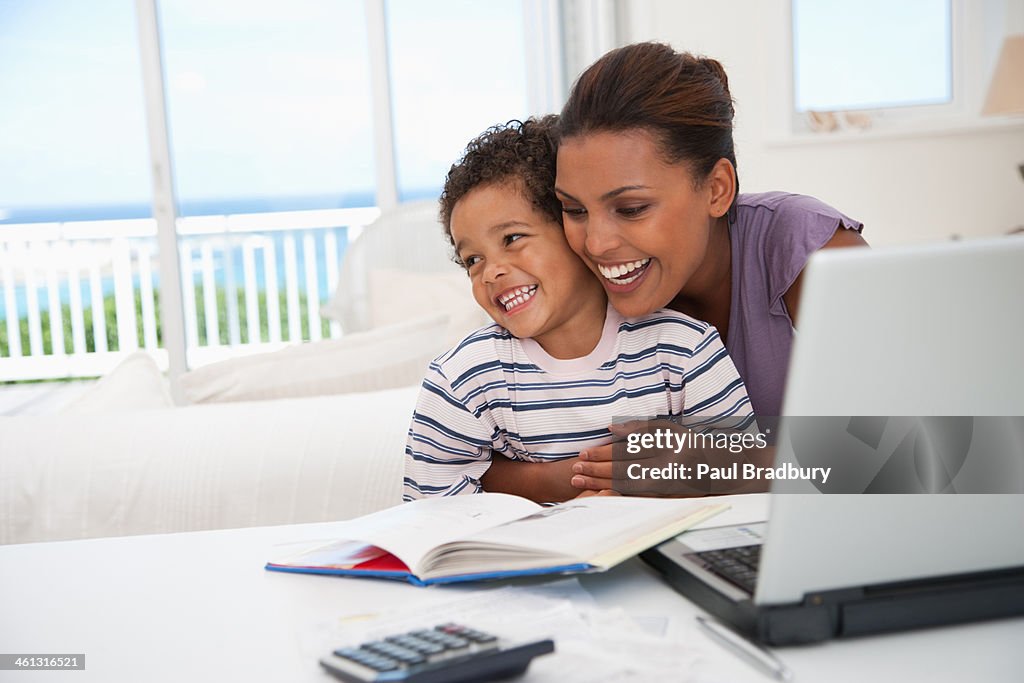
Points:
[(592, 471), (611, 467), (597, 469)]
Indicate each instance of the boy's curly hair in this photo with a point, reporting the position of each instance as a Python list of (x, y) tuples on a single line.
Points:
[(518, 151)]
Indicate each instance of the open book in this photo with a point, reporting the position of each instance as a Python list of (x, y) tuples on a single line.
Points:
[(494, 535)]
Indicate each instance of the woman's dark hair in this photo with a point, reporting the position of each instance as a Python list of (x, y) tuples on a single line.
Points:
[(682, 99), (521, 152)]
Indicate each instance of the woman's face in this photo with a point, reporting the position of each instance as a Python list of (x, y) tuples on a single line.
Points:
[(638, 222)]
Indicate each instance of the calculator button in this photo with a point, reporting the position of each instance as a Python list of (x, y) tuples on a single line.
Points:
[(478, 636), (430, 635), (454, 643), (424, 647), (402, 654), (367, 658), (382, 664), (443, 639), (409, 658)]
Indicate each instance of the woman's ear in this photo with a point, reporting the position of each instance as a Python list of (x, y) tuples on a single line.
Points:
[(721, 184)]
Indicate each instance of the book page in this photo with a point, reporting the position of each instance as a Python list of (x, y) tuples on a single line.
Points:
[(410, 530), (598, 529)]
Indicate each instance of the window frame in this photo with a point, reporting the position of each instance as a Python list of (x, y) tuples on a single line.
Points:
[(971, 23), (886, 114), (545, 70)]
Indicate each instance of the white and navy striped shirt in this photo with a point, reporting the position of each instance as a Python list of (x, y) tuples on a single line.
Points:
[(494, 392)]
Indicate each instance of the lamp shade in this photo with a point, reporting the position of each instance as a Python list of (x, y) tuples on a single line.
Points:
[(1006, 91)]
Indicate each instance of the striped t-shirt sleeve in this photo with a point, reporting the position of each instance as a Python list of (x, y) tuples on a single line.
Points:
[(713, 390), (448, 449)]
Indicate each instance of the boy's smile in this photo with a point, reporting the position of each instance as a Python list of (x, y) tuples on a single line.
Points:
[(523, 273), (514, 298)]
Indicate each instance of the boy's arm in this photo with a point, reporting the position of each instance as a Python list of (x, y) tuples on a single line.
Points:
[(541, 482), (447, 450), (714, 394)]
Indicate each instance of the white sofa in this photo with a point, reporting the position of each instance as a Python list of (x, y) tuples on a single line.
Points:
[(211, 466), (312, 433)]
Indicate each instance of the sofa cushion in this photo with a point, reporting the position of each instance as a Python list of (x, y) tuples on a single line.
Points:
[(202, 467), (135, 384), (384, 358), (449, 293)]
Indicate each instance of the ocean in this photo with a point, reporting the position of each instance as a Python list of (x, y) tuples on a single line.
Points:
[(204, 207), (196, 207)]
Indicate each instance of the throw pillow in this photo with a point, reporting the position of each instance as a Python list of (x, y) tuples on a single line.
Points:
[(384, 358), (135, 384), (396, 295)]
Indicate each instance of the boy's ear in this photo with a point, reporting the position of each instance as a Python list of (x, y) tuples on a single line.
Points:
[(721, 184)]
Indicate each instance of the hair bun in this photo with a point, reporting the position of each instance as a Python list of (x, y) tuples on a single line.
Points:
[(715, 67), (682, 99)]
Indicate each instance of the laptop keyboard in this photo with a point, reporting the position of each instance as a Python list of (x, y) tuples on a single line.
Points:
[(736, 565)]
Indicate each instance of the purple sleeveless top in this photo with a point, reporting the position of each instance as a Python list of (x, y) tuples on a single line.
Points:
[(772, 237)]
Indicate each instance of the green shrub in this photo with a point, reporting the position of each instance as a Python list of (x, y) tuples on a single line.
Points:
[(110, 320)]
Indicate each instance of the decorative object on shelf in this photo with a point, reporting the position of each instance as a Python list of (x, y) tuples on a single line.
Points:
[(1006, 91), (832, 121), (822, 121), (857, 120)]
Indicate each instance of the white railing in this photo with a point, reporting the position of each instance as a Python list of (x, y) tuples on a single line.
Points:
[(265, 268)]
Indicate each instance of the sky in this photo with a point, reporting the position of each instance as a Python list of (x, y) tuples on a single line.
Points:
[(269, 99), (265, 99), (871, 53), (72, 128)]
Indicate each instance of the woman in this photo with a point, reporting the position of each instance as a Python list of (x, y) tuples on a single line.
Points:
[(649, 191)]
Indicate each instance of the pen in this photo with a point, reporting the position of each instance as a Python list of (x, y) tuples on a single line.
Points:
[(754, 654)]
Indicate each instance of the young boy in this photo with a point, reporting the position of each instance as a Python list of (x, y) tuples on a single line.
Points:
[(558, 364)]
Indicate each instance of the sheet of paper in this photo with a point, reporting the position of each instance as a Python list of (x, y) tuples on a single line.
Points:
[(592, 645)]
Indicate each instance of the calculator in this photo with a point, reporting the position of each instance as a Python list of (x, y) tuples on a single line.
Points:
[(449, 653)]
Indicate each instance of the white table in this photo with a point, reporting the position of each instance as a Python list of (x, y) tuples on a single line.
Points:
[(200, 606)]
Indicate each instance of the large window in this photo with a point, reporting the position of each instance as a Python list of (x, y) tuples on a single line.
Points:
[(72, 119), (284, 124), (895, 68), (268, 104), (72, 149), (456, 68), (871, 54)]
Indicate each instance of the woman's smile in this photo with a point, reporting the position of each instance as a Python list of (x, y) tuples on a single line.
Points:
[(621, 274)]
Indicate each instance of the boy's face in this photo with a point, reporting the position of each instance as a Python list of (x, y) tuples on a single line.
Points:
[(523, 272)]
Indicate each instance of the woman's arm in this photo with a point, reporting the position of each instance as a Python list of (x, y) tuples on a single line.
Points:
[(541, 482), (841, 238)]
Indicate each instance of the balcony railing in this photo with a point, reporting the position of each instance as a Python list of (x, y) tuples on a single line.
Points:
[(79, 296)]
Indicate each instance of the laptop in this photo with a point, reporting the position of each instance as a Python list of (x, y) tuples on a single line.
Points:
[(894, 346)]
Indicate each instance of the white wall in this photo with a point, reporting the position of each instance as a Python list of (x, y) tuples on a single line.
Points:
[(905, 188)]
